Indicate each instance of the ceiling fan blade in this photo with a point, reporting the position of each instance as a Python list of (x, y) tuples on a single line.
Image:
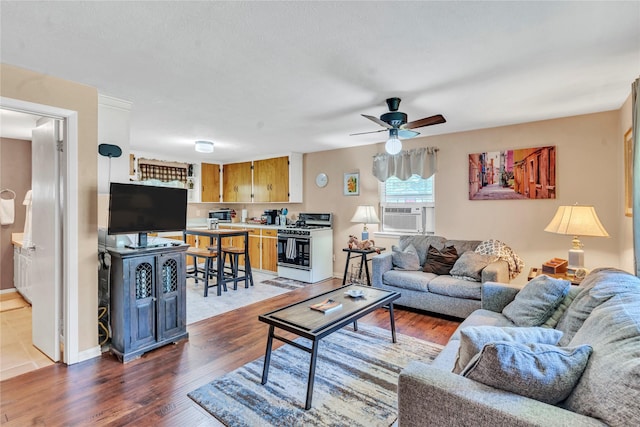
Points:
[(427, 121), (364, 133), (406, 134), (378, 121)]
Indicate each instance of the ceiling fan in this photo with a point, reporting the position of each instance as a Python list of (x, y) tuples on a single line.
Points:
[(396, 123)]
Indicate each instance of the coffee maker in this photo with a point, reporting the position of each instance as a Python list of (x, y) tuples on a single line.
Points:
[(271, 216)]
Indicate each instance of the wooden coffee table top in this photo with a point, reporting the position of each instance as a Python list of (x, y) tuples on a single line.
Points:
[(300, 316)]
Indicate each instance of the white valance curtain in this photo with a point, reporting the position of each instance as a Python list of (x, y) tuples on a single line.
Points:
[(419, 161)]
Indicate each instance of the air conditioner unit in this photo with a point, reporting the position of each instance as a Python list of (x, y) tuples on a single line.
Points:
[(402, 219)]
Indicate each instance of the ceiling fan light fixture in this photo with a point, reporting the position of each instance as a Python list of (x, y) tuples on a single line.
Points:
[(393, 145), (204, 146)]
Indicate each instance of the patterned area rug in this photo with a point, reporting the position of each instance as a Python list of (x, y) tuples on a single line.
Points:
[(355, 383), (283, 282)]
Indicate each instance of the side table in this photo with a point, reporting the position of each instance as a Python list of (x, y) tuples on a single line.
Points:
[(362, 253), (534, 272)]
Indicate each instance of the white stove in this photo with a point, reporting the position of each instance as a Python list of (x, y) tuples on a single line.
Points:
[(305, 249)]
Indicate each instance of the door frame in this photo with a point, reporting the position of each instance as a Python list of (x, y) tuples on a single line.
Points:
[(70, 279)]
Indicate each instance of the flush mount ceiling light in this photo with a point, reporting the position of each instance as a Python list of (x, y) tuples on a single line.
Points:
[(204, 146)]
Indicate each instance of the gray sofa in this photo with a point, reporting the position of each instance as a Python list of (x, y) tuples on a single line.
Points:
[(442, 294), (604, 313)]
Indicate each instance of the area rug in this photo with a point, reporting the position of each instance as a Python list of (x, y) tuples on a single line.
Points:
[(355, 383), (265, 286)]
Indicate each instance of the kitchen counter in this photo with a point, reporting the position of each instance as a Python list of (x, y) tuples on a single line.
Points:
[(16, 239), (236, 225)]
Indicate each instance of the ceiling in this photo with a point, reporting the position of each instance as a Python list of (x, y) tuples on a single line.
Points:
[(267, 78)]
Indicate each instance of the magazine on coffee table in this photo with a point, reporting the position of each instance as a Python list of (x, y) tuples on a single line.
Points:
[(326, 306)]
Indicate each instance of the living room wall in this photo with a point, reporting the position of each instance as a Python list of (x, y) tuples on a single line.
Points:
[(26, 85), (589, 161)]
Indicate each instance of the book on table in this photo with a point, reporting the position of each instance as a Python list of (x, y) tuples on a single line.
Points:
[(326, 306)]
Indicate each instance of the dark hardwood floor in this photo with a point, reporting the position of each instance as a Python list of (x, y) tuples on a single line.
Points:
[(152, 390)]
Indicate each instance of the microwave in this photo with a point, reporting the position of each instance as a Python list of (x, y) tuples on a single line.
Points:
[(222, 215)]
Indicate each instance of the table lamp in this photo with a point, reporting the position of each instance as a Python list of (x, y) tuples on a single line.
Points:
[(577, 221), (365, 215)]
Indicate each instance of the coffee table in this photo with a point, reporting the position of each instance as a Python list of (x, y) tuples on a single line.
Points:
[(314, 325)]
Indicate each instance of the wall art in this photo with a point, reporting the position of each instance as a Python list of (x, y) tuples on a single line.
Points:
[(351, 184), (524, 173)]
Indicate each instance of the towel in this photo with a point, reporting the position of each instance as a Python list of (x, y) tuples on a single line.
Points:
[(7, 211), (291, 248), (26, 237)]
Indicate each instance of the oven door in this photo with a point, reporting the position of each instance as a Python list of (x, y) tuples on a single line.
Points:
[(294, 251)]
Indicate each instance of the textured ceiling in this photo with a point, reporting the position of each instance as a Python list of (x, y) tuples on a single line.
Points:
[(265, 78)]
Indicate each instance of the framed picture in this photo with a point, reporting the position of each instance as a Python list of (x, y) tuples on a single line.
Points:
[(352, 184), (628, 173), (525, 173)]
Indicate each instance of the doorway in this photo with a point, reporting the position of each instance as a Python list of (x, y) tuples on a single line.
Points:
[(66, 247)]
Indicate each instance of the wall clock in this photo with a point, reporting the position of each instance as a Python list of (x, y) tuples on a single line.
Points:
[(321, 180)]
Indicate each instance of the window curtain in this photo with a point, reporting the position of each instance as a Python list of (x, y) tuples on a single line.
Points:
[(162, 171), (419, 161), (635, 138)]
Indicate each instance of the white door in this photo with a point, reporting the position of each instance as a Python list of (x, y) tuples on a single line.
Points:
[(46, 238)]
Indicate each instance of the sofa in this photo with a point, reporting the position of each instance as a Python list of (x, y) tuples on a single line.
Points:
[(438, 293), (602, 315)]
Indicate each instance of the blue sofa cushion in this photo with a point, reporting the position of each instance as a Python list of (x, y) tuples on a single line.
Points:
[(470, 265), (474, 338), (537, 301), (457, 288), (412, 280), (405, 259), (610, 386), (540, 371)]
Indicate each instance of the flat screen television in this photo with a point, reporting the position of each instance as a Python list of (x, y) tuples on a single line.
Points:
[(144, 209)]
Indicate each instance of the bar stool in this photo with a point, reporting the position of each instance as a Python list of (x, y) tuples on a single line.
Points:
[(233, 253), (209, 256)]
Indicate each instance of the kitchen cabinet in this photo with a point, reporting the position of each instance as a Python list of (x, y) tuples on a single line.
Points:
[(236, 182), (148, 299), (269, 250), (210, 178), (271, 180)]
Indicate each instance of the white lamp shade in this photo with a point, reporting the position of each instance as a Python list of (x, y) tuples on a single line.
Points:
[(577, 221), (204, 146), (365, 215)]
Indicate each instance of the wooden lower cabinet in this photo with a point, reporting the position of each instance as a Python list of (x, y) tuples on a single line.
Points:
[(148, 299), (269, 250)]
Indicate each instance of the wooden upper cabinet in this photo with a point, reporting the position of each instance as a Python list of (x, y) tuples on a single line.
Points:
[(236, 182), (210, 176), (271, 180)]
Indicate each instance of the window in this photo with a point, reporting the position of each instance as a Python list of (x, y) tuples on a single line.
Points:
[(413, 190), (408, 206)]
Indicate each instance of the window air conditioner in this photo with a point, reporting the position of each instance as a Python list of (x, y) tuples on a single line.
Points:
[(402, 219)]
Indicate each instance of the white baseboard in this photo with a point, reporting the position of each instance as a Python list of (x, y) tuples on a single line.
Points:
[(8, 291), (89, 354)]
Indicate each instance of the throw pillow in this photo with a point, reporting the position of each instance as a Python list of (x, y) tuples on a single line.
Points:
[(440, 262), (470, 265), (405, 260), (474, 338), (540, 371), (599, 286), (537, 301)]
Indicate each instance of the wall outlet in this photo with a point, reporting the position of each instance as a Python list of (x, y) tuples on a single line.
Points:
[(334, 257)]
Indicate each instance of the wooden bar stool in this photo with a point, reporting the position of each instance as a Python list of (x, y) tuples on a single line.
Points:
[(233, 253), (208, 271)]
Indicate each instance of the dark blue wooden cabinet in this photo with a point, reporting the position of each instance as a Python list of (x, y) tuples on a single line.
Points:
[(148, 299)]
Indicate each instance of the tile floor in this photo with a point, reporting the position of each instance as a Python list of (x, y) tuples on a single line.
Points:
[(17, 354)]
